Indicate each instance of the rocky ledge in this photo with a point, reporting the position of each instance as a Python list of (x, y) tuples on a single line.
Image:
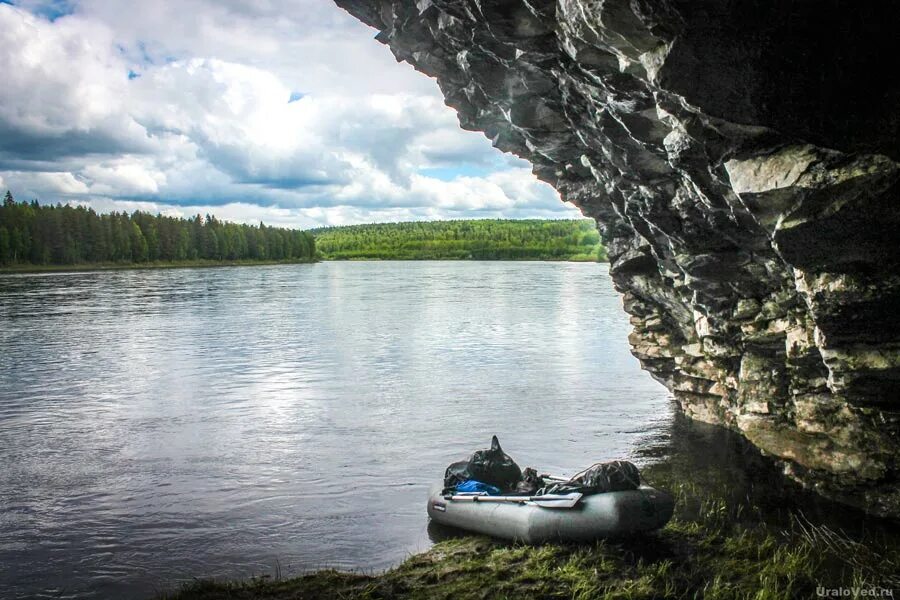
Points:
[(740, 159)]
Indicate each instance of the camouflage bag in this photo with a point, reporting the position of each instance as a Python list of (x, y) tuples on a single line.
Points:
[(615, 476)]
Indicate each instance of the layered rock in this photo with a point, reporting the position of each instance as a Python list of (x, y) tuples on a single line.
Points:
[(740, 159)]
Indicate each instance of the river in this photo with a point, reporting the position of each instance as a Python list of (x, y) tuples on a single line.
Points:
[(161, 425)]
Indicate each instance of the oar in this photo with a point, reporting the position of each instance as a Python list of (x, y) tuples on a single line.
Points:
[(548, 501)]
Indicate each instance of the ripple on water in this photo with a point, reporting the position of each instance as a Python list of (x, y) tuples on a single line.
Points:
[(157, 426)]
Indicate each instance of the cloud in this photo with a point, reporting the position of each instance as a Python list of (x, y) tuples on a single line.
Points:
[(277, 110), (308, 44), (62, 90)]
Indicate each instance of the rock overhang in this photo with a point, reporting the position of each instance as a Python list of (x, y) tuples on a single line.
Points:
[(741, 162)]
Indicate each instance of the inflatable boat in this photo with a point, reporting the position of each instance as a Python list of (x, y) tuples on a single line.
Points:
[(589, 518)]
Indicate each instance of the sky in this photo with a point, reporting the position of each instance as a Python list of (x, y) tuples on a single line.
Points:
[(281, 111)]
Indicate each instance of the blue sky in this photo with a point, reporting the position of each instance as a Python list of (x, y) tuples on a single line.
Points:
[(283, 111)]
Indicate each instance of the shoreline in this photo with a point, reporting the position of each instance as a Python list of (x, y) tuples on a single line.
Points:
[(451, 259), (205, 264), (190, 264), (716, 544)]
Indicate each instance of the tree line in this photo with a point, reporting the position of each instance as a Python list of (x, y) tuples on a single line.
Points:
[(482, 239), (38, 234)]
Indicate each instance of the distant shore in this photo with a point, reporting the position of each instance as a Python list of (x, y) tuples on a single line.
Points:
[(202, 264), (580, 258), (181, 264), (472, 239)]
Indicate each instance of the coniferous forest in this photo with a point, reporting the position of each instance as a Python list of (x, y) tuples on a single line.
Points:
[(482, 239), (39, 234)]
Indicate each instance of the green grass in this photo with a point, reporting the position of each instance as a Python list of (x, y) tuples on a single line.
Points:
[(715, 548)]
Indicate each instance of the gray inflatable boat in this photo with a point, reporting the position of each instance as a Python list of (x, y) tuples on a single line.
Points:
[(593, 517)]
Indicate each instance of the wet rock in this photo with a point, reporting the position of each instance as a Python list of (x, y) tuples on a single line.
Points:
[(741, 163)]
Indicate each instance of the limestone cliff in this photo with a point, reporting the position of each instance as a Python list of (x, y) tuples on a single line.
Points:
[(740, 160)]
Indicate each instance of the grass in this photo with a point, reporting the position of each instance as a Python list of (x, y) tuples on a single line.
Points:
[(112, 266), (715, 547)]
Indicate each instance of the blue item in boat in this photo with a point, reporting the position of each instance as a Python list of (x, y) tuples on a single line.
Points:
[(473, 487)]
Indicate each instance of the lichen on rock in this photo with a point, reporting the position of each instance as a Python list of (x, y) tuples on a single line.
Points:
[(741, 162)]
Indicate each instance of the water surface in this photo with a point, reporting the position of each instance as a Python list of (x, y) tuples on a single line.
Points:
[(160, 425)]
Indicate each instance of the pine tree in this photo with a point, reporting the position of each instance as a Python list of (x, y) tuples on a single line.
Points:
[(5, 246), (139, 249)]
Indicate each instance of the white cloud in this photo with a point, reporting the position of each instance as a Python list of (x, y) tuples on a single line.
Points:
[(78, 81), (311, 45), (56, 184), (206, 123), (128, 175)]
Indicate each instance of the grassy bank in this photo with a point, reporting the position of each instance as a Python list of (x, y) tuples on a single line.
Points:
[(716, 547), (481, 239), (181, 264)]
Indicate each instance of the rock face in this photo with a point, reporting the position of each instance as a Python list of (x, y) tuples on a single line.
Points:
[(740, 159)]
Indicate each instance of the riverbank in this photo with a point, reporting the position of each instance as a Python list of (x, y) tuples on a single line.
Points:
[(474, 239), (181, 264), (199, 264), (577, 258), (716, 545)]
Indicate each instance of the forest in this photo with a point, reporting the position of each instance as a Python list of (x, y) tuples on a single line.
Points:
[(33, 234), (483, 239), (44, 234)]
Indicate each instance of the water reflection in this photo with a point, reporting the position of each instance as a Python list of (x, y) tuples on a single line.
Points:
[(752, 484), (157, 426)]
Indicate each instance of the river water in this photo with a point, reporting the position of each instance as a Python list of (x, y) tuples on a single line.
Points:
[(161, 425)]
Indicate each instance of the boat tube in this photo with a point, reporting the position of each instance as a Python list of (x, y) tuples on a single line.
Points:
[(593, 517)]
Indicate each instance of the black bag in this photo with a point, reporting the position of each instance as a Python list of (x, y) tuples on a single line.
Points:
[(530, 484), (490, 466), (615, 476)]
